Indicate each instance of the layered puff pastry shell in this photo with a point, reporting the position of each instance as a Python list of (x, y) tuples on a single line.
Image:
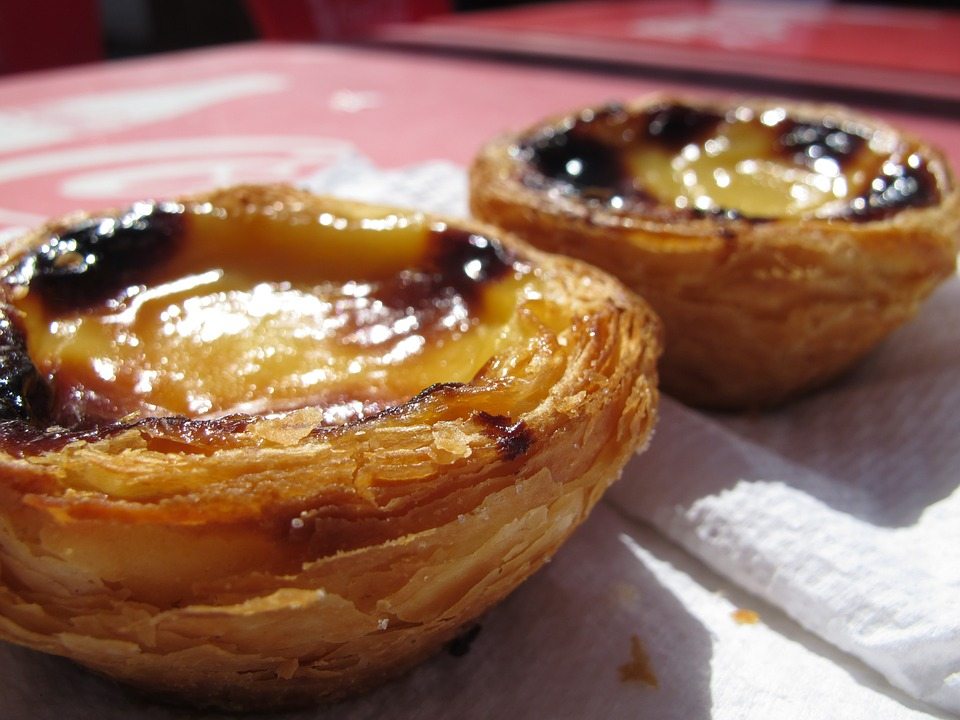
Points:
[(777, 242), (260, 449)]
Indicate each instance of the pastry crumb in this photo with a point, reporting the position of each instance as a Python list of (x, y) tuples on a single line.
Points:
[(638, 669), (450, 439), (743, 616), (625, 595), (283, 434)]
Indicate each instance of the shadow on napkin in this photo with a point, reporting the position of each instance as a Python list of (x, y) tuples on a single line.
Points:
[(887, 432)]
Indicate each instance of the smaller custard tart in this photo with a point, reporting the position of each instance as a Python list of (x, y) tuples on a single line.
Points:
[(262, 449), (778, 242)]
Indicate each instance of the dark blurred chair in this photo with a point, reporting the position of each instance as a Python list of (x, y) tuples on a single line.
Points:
[(38, 34), (335, 19)]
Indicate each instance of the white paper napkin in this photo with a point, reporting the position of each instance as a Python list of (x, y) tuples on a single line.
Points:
[(812, 545), (842, 509), (434, 186)]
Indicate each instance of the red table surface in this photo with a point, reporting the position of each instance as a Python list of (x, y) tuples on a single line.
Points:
[(892, 37), (104, 135), (903, 50)]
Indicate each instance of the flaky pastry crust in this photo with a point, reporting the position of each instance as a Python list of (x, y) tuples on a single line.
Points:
[(277, 560), (757, 308)]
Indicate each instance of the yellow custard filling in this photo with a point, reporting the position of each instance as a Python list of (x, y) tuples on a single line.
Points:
[(269, 311), (738, 167), (757, 163)]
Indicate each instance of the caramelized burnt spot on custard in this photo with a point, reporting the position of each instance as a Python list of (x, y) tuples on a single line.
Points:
[(513, 439), (759, 164), (189, 323), (99, 260), (577, 157), (23, 393), (675, 126), (900, 184)]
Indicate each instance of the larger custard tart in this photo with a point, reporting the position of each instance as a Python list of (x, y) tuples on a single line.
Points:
[(261, 449), (777, 242)]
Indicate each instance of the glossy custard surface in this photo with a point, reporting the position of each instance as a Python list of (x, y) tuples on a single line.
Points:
[(173, 311), (752, 163)]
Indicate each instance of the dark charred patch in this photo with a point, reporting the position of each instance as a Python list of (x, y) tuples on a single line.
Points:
[(898, 186), (460, 645), (94, 262), (805, 143), (465, 261), (444, 294), (23, 393), (578, 160), (675, 126), (513, 439)]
